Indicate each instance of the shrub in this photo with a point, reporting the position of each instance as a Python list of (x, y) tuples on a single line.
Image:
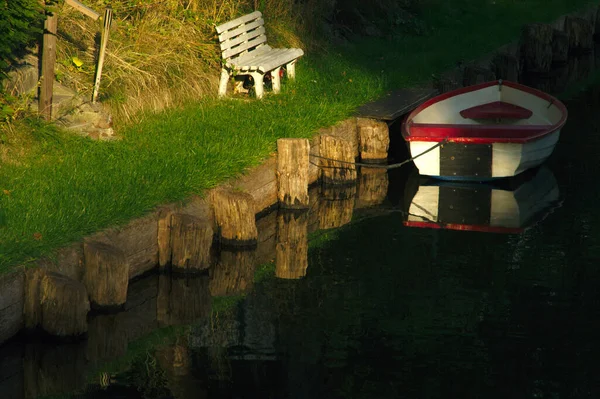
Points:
[(20, 25)]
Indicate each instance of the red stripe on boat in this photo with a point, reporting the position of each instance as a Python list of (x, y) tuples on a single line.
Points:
[(477, 134)]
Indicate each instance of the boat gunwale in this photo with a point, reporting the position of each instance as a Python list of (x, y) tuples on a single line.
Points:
[(485, 140)]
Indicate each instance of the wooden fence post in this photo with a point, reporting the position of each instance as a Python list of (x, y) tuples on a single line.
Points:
[(48, 60), (103, 43)]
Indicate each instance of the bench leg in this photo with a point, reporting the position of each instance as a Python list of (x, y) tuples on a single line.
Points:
[(276, 80), (258, 84), (223, 82), (291, 70)]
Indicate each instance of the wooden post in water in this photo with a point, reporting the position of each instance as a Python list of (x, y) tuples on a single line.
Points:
[(47, 69), (234, 216), (103, 43), (337, 160), (292, 173), (374, 140), (291, 259), (106, 275), (191, 241)]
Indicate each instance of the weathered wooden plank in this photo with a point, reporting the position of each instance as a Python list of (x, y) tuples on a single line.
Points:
[(256, 41), (138, 240), (261, 184), (227, 44), (395, 104), (267, 60), (238, 31), (82, 8), (238, 21)]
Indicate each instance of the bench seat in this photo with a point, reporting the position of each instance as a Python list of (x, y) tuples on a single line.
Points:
[(245, 51), (496, 110), (264, 59)]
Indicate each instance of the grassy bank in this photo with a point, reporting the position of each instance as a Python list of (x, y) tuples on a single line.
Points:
[(61, 188)]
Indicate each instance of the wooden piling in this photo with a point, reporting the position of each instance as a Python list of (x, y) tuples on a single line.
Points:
[(191, 242), (164, 237), (475, 74), (56, 303), (337, 160), (536, 47), (47, 69), (581, 34), (234, 213), (106, 275), (374, 140), (292, 245), (560, 47), (506, 66), (64, 305), (292, 173)]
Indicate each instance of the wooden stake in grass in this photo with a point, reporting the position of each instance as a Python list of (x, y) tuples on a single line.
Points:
[(103, 42), (48, 60)]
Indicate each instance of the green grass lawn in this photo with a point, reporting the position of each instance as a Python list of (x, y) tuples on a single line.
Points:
[(67, 187)]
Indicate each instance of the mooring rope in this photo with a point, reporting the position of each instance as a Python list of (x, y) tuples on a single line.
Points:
[(372, 165)]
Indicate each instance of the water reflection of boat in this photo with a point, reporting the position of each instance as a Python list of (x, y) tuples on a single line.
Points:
[(508, 207)]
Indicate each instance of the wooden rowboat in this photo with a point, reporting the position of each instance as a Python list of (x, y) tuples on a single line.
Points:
[(487, 131), (508, 207)]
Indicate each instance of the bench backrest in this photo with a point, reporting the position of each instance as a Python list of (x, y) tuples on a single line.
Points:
[(241, 35)]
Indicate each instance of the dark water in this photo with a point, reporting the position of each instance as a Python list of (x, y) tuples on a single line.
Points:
[(380, 310)]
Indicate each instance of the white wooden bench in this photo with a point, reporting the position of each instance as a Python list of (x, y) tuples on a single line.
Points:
[(245, 51)]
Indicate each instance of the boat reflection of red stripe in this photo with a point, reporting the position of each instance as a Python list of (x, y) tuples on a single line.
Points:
[(465, 227)]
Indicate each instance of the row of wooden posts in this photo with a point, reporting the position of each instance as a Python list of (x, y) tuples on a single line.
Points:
[(182, 239), (48, 58)]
